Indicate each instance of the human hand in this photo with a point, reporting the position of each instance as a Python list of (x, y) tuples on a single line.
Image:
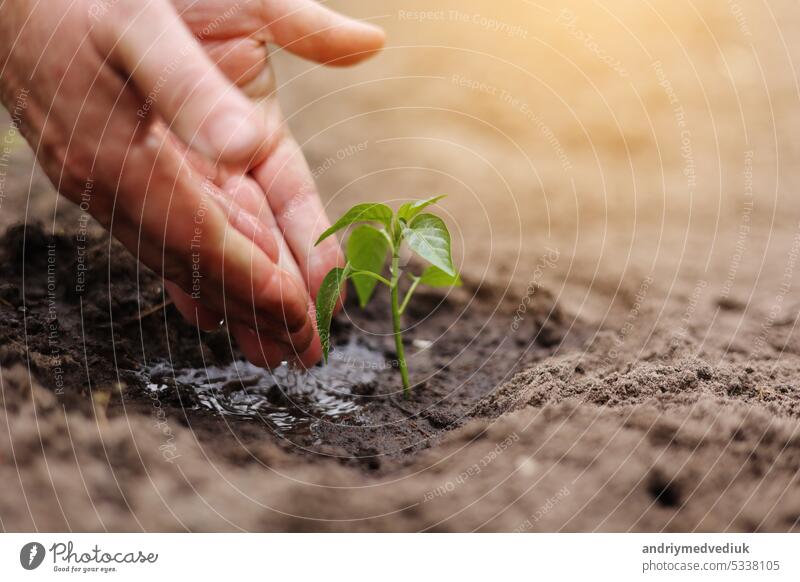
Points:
[(283, 197), (114, 92)]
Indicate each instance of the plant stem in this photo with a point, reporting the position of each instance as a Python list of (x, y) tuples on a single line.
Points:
[(409, 293), (398, 338), (372, 276)]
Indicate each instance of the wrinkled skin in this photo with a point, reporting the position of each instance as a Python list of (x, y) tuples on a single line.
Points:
[(160, 119)]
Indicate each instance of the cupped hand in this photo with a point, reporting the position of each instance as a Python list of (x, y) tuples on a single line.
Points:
[(280, 191), (130, 118)]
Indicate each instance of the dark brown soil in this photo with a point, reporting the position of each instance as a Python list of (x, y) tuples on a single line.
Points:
[(623, 355), (116, 334)]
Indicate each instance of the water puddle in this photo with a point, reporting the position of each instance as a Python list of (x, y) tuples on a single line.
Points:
[(289, 400)]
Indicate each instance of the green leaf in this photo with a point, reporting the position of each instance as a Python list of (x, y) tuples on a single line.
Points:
[(409, 210), (435, 277), (329, 293), (427, 235), (369, 212), (366, 251)]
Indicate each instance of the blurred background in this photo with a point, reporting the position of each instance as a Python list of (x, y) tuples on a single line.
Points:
[(631, 135)]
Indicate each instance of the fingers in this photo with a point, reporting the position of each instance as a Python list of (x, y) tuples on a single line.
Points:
[(312, 31), (293, 197), (193, 311), (261, 351), (258, 348), (181, 231), (264, 351), (243, 196), (246, 193), (304, 27), (246, 221), (149, 42), (228, 274)]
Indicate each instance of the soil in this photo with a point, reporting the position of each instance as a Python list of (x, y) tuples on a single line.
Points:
[(622, 355)]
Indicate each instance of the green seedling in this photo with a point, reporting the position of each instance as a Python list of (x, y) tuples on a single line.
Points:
[(367, 251)]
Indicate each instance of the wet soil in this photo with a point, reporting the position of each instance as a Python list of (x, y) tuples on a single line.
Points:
[(86, 316)]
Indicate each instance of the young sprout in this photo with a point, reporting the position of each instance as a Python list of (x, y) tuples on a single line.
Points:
[(367, 250)]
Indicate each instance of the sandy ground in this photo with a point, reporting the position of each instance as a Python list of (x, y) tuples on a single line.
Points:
[(622, 191)]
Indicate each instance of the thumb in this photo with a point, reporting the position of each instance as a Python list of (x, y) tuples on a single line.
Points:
[(149, 42), (312, 31)]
